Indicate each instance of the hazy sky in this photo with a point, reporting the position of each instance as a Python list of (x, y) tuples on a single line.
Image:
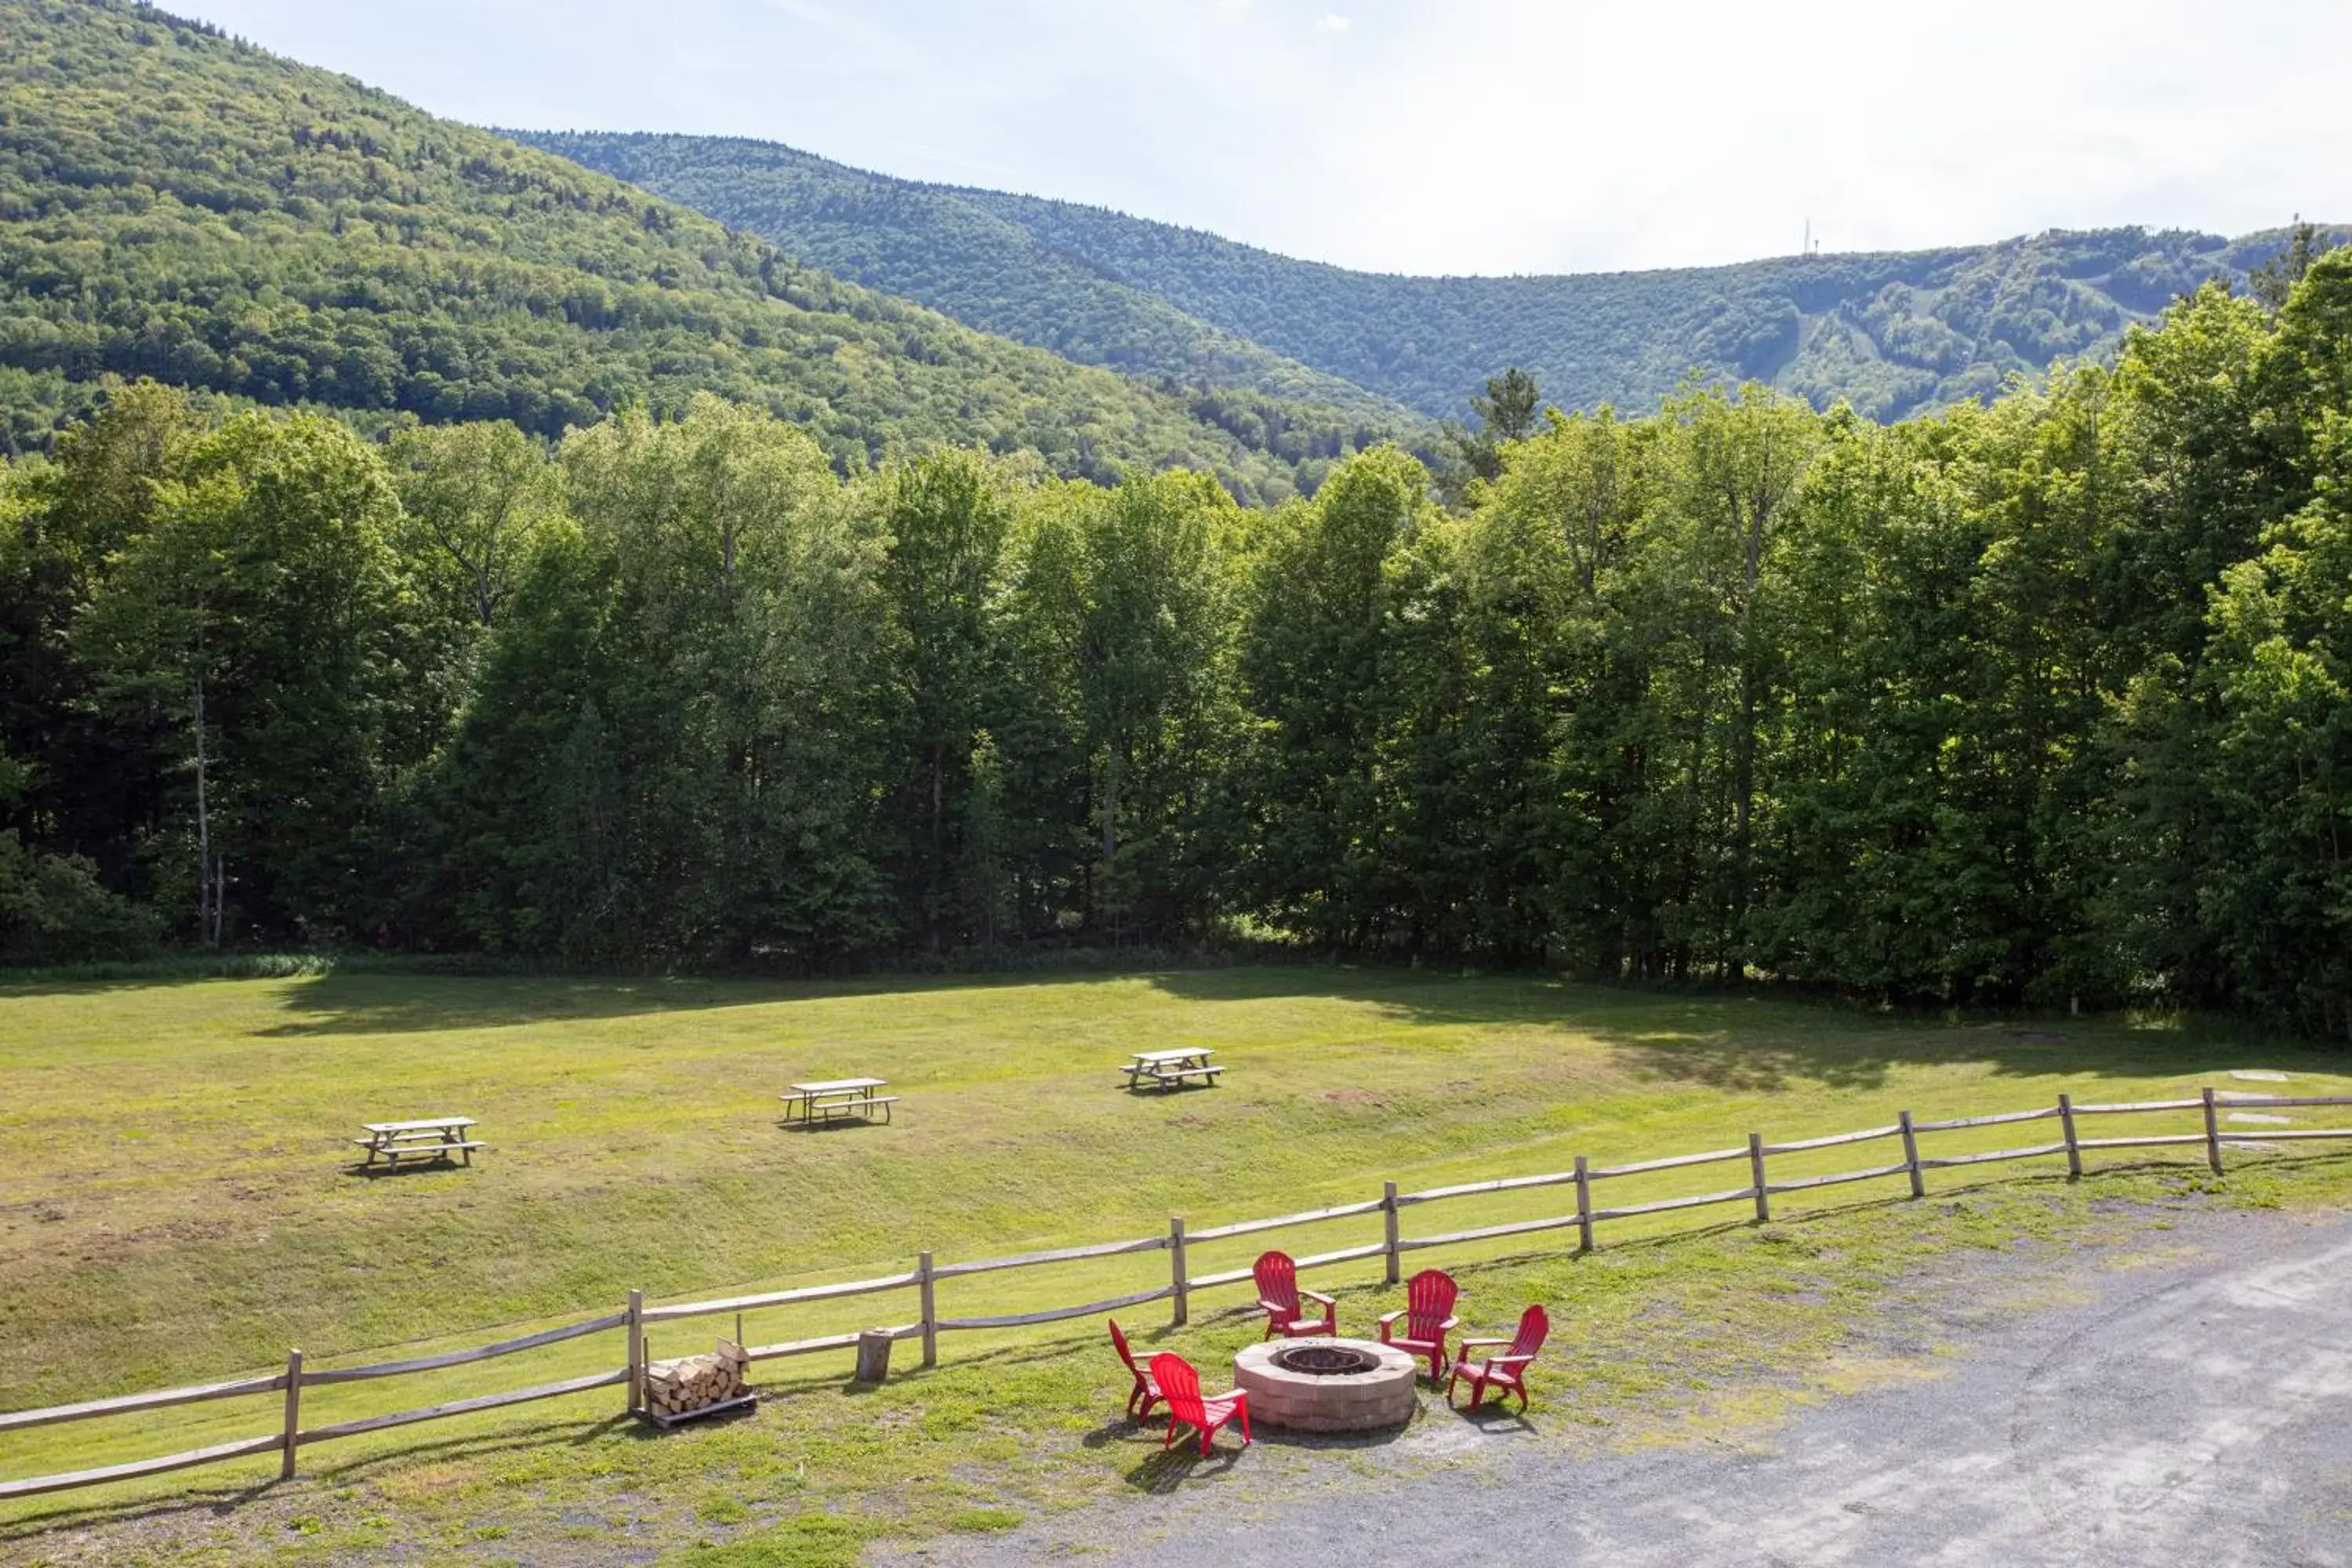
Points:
[(1446, 135)]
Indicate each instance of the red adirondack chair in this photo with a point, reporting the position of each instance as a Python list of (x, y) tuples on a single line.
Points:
[(1278, 1293), (1180, 1386), (1507, 1371), (1428, 1318), (1147, 1393)]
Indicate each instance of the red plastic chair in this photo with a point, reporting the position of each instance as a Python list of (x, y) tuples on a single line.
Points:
[(1428, 1318), (1507, 1371), (1180, 1386), (1278, 1294), (1147, 1393)]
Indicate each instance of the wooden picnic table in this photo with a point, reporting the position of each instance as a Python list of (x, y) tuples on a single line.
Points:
[(1173, 1069), (835, 1098), (428, 1138)]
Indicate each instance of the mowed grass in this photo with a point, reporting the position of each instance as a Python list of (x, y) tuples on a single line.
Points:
[(177, 1203)]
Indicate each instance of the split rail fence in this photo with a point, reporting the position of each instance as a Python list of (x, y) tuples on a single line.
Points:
[(925, 1277)]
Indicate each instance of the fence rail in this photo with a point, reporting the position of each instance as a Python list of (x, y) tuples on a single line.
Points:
[(462, 1406), (461, 1358), (924, 1279), (124, 1404), (773, 1298)]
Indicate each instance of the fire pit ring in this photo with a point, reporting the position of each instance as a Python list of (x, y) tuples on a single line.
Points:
[(1327, 1385), (1324, 1358)]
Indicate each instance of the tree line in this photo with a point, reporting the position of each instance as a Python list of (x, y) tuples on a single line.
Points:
[(2040, 701)]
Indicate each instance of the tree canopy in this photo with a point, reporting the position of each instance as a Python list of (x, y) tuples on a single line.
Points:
[(2040, 702)]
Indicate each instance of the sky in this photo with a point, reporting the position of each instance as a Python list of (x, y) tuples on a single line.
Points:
[(1444, 136)]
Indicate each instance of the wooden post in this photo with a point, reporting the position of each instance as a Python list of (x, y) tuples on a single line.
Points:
[(637, 1352), (1176, 1268), (2212, 1135), (1911, 1159), (2074, 1149), (873, 1356), (293, 1413), (1756, 1165), (1388, 1208), (931, 1310), (1583, 1207)]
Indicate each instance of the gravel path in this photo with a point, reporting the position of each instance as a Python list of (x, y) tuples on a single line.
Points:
[(2196, 1411)]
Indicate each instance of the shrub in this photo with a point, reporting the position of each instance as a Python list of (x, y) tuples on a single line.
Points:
[(54, 910)]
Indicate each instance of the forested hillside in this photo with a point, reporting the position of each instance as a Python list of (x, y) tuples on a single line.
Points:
[(937, 246), (176, 204), (1893, 334), (2045, 699)]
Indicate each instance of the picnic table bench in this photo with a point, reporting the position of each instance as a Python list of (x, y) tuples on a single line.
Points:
[(1172, 1069), (428, 1138), (836, 1098)]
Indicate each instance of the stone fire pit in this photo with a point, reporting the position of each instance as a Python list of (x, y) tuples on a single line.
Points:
[(1327, 1385)]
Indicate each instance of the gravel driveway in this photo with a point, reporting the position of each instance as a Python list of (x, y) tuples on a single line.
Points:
[(2196, 1411)]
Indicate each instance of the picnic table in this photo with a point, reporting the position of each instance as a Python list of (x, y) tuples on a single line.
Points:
[(836, 1098), (1173, 1069), (428, 1138)]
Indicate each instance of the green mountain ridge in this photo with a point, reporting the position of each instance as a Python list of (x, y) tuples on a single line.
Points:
[(1894, 333), (927, 243), (178, 204)]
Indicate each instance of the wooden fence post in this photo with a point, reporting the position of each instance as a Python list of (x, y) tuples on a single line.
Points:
[(2212, 1135), (1583, 1207), (2074, 1149), (1388, 1208), (930, 1311), (1911, 1158), (1176, 1268), (293, 1413), (637, 1352), (1755, 1164)]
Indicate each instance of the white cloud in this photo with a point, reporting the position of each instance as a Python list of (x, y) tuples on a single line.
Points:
[(1479, 135), (1332, 22)]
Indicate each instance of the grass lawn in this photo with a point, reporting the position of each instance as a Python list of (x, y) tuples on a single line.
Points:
[(176, 1204)]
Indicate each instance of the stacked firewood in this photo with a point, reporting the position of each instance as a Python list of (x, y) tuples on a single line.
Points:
[(696, 1382)]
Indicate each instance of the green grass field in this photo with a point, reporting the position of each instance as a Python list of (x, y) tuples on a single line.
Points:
[(176, 1204)]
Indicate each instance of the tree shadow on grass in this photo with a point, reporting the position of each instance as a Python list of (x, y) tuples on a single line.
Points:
[(1758, 1041), (366, 1001), (1735, 1041), (364, 1004)]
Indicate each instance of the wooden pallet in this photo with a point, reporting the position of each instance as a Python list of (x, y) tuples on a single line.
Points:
[(741, 1402)]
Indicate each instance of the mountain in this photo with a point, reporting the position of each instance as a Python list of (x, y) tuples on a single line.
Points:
[(179, 204), (939, 247), (1894, 333)]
